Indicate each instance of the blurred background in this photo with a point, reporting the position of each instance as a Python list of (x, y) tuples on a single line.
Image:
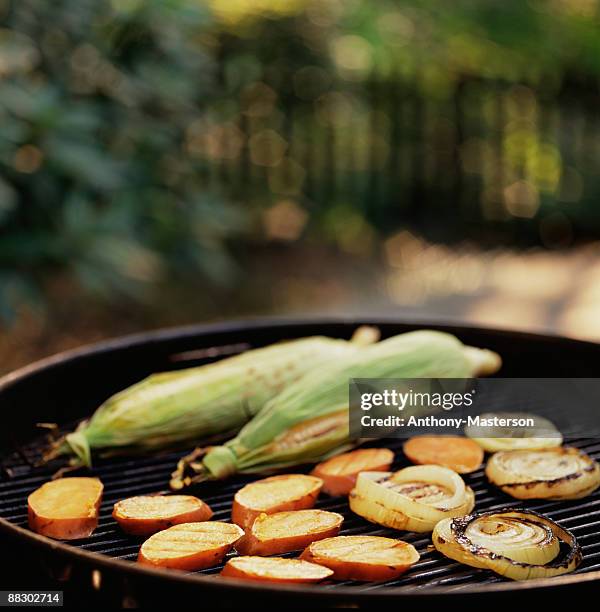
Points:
[(173, 161)]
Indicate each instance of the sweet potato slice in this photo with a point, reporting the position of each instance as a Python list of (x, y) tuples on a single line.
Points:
[(339, 473), (147, 514), (366, 558), (190, 546), (283, 532), (455, 452), (65, 509), (275, 569), (274, 494)]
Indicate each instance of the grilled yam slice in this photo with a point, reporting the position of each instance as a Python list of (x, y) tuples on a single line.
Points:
[(283, 532), (147, 514), (65, 509), (455, 452), (274, 494), (191, 546), (275, 569), (366, 558), (339, 473)]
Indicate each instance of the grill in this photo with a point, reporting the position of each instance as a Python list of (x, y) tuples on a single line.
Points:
[(70, 386)]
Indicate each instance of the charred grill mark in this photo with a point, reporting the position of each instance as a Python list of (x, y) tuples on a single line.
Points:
[(550, 483)]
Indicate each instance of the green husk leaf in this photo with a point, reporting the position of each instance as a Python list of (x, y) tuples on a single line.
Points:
[(202, 403), (309, 420)]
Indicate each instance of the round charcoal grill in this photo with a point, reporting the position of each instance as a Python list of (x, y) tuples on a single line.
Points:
[(68, 387)]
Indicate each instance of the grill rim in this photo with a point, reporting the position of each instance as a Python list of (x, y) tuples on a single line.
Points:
[(128, 567), (239, 586)]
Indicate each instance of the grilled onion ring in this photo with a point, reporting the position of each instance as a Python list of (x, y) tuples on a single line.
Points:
[(515, 544), (543, 435), (412, 499), (552, 473)]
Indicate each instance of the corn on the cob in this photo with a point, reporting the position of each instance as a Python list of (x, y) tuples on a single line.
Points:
[(197, 403), (308, 421)]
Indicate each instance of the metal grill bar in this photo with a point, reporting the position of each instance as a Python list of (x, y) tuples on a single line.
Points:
[(124, 477)]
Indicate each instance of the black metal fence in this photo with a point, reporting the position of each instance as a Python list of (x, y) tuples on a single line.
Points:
[(483, 159)]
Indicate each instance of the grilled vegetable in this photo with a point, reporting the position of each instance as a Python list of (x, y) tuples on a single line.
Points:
[(459, 454), (412, 499), (275, 569), (191, 546), (308, 421), (367, 558), (202, 402), (147, 514), (493, 438), (552, 473), (517, 545), (65, 509), (339, 473), (274, 494), (284, 532)]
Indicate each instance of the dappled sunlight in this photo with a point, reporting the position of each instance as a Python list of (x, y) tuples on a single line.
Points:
[(165, 163)]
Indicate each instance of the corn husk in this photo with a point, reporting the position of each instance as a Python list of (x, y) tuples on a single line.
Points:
[(192, 405), (309, 420)]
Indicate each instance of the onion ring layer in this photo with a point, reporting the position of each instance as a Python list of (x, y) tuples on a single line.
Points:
[(497, 438), (412, 499), (552, 473), (515, 544)]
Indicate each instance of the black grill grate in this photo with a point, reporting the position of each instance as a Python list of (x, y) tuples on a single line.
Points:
[(134, 476)]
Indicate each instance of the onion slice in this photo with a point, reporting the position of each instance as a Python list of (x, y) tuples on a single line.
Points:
[(412, 499), (552, 473), (499, 438), (516, 544)]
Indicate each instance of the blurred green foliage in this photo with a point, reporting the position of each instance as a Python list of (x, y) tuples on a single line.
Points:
[(94, 103), (140, 139)]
